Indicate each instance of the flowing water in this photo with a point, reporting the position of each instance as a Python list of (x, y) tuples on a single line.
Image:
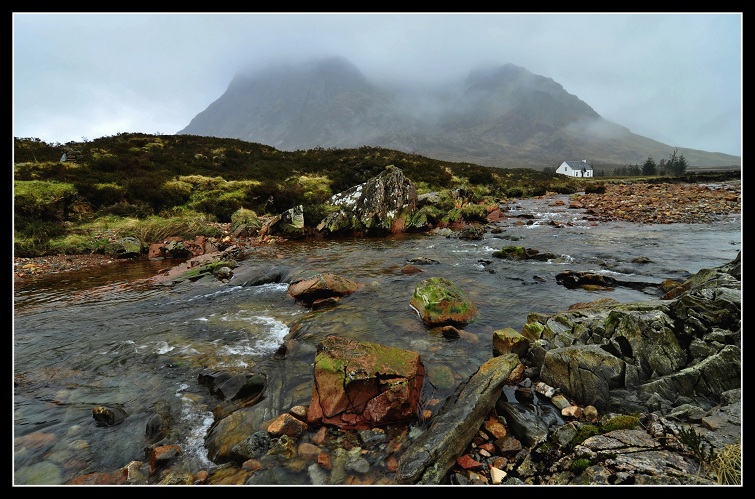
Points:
[(112, 337)]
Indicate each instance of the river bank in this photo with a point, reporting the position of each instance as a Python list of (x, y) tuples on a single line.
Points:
[(632, 202)]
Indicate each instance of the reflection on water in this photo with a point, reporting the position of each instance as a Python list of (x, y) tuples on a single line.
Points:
[(104, 337)]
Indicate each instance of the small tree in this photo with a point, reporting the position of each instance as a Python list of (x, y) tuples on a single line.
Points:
[(681, 165), (677, 165), (649, 167)]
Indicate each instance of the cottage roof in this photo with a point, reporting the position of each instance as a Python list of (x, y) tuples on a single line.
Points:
[(578, 165)]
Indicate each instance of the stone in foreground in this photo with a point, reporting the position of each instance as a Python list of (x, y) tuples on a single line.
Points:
[(364, 385)]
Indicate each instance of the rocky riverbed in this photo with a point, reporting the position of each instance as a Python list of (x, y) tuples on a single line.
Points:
[(641, 449), (506, 426)]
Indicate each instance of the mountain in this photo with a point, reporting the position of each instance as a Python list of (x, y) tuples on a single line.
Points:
[(502, 116)]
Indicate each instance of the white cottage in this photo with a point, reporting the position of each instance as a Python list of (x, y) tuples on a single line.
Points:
[(575, 169)]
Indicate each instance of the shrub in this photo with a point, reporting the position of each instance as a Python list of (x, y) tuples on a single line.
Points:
[(177, 192), (137, 209), (474, 212), (701, 450), (427, 215), (595, 188), (102, 194), (42, 200)]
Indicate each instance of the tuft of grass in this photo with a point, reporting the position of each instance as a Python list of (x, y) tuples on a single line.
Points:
[(78, 244), (727, 465), (155, 229)]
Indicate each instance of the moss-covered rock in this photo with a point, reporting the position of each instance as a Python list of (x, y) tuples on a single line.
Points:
[(439, 301)]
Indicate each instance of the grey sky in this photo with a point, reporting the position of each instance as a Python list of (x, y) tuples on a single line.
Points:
[(674, 77)]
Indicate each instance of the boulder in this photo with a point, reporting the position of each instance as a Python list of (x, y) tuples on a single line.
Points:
[(508, 340), (439, 301), (324, 286), (380, 206), (226, 433), (289, 224), (522, 253), (364, 385), (109, 415), (429, 458)]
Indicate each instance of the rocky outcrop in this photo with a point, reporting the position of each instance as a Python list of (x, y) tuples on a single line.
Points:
[(364, 385), (604, 393), (660, 203), (593, 281), (646, 356), (380, 206), (666, 375)]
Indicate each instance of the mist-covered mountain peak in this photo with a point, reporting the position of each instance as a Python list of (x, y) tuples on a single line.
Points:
[(500, 115)]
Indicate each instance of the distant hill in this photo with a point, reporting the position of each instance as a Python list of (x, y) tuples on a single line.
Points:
[(502, 116)]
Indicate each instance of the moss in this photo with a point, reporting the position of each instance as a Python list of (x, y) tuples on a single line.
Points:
[(327, 363), (208, 268), (584, 433), (580, 465), (532, 330), (516, 252), (623, 422)]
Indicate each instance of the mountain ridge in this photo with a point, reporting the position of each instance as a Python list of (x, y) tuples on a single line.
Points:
[(501, 116)]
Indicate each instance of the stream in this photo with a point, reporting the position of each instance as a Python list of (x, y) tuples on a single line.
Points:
[(112, 336)]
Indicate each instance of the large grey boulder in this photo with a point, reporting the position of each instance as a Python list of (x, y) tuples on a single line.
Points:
[(289, 224), (380, 206)]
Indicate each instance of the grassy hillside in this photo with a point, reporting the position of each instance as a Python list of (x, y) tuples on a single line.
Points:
[(146, 186)]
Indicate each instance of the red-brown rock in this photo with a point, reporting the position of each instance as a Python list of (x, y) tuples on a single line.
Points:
[(321, 287), (468, 462), (364, 385)]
